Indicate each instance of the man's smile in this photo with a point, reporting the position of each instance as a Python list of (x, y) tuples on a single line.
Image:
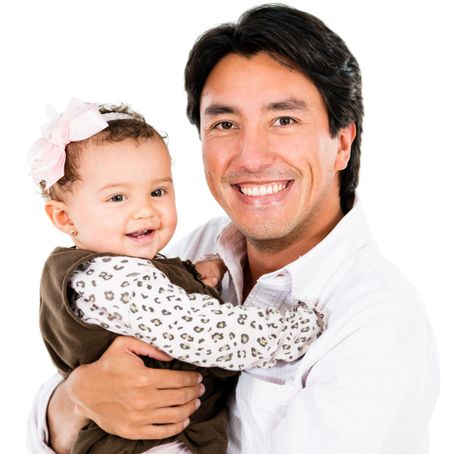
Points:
[(262, 189)]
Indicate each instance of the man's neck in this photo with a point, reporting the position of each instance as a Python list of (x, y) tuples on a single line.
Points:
[(265, 257)]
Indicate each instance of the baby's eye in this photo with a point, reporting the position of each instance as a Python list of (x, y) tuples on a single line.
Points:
[(284, 121), (117, 198), (160, 192)]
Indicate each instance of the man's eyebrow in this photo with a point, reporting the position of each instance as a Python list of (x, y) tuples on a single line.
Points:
[(288, 104), (218, 109)]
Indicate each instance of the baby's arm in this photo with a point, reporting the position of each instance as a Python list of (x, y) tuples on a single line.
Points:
[(130, 296)]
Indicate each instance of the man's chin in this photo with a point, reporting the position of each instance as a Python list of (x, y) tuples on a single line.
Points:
[(264, 232)]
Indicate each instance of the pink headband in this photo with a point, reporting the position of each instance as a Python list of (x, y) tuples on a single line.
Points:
[(79, 122)]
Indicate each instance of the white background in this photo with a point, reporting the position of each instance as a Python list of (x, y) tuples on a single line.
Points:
[(134, 51)]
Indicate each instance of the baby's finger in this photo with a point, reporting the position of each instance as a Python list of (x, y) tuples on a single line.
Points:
[(211, 281)]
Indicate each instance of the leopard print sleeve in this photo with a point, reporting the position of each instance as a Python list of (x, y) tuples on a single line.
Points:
[(130, 296)]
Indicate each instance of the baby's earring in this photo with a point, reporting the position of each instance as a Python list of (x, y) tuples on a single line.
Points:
[(73, 232)]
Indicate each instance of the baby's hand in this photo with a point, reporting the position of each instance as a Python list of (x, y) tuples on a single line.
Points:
[(211, 269), (304, 326)]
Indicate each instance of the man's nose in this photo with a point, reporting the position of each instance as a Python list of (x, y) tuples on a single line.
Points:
[(254, 150)]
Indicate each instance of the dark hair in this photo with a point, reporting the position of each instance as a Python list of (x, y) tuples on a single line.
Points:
[(132, 127), (300, 41)]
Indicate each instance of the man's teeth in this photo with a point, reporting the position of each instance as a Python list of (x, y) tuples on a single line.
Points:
[(262, 189)]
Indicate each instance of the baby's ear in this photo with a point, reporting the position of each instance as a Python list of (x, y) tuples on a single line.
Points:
[(59, 215)]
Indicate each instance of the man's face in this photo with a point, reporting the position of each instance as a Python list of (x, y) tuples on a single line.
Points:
[(269, 158)]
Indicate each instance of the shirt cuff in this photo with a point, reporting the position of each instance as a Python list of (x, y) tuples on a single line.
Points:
[(37, 431)]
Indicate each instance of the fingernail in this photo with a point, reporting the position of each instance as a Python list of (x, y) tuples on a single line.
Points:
[(200, 378), (186, 423), (202, 389), (197, 403)]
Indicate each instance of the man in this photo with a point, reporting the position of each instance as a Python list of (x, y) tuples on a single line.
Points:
[(277, 101)]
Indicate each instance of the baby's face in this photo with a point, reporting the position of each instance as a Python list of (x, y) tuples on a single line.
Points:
[(125, 201)]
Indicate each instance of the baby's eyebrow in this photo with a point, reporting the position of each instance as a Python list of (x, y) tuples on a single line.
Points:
[(163, 180), (111, 186), (119, 185)]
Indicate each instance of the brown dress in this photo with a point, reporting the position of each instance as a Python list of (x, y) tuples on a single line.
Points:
[(72, 342)]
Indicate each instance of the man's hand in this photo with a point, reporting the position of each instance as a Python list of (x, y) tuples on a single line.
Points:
[(126, 398), (211, 268)]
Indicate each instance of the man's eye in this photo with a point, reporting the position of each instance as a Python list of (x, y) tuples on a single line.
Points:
[(158, 192), (117, 198), (224, 125), (284, 121)]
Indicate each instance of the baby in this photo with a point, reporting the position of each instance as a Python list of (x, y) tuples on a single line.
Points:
[(106, 177)]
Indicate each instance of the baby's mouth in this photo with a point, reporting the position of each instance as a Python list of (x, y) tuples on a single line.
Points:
[(140, 233)]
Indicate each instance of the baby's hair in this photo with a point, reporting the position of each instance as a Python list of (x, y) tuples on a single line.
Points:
[(133, 126)]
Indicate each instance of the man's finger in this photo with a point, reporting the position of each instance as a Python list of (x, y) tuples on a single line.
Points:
[(170, 379), (137, 347), (178, 396), (156, 432), (175, 415)]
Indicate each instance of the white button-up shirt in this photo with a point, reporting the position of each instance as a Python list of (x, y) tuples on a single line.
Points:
[(368, 385)]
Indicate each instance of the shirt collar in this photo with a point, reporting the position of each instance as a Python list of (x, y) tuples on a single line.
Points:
[(315, 267), (233, 251), (307, 274)]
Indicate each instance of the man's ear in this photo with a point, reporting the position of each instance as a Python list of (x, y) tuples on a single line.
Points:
[(59, 215), (346, 136)]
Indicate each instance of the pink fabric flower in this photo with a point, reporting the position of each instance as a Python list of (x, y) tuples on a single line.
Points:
[(47, 156)]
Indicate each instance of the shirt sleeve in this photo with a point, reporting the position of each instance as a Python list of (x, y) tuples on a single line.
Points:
[(37, 430), (130, 296)]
